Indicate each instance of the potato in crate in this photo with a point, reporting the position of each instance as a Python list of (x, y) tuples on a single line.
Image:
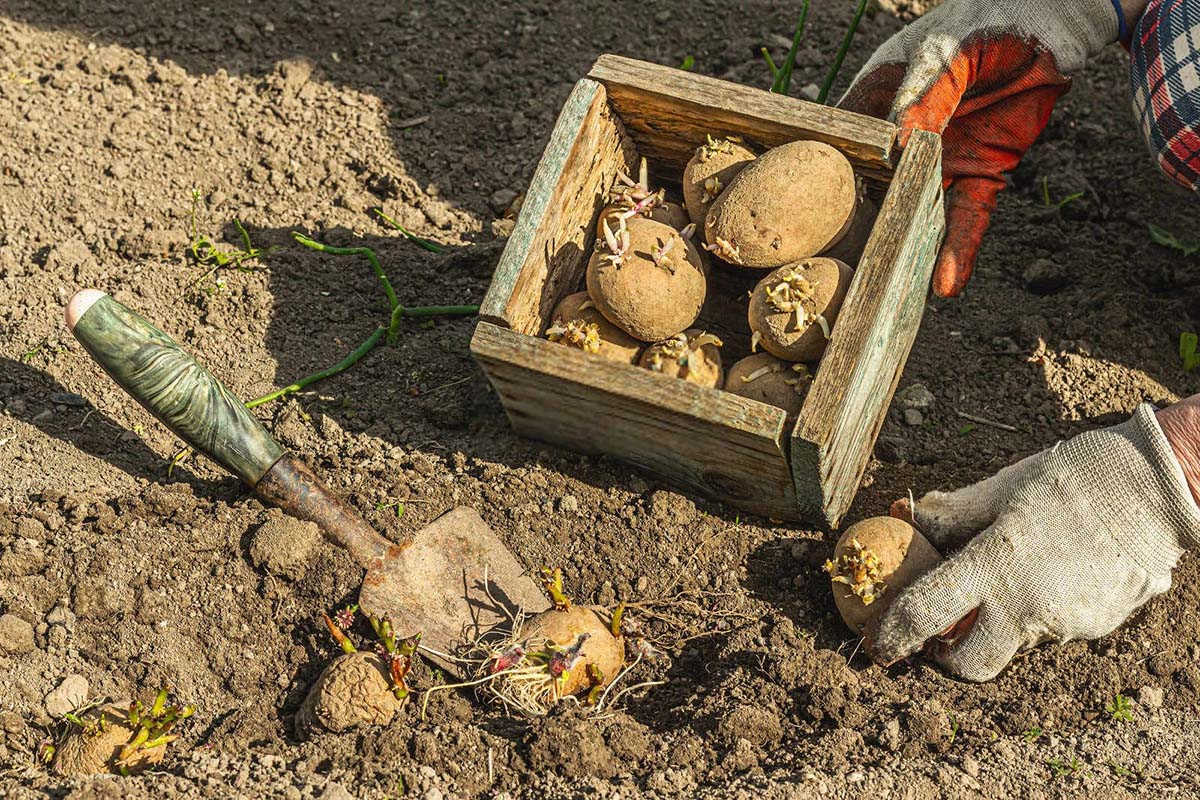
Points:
[(755, 270)]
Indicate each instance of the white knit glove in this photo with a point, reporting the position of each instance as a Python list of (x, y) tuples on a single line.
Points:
[(1074, 539)]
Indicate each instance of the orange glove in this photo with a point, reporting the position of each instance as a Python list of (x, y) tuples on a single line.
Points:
[(985, 75)]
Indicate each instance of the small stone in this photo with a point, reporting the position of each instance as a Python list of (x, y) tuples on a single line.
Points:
[(607, 595), (568, 504), (67, 696), (61, 615), (68, 399), (283, 544), (335, 791), (810, 91), (434, 793), (889, 737), (970, 766), (913, 417), (916, 396), (663, 17), (16, 635), (501, 199), (96, 598), (30, 528), (1044, 276), (643, 583), (1150, 696), (43, 416), (243, 33)]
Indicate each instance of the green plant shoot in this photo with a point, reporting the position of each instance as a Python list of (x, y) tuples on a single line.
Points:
[(1187, 247), (1188, 342), (781, 77)]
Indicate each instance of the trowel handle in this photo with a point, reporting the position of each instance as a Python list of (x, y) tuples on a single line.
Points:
[(185, 397), (171, 385)]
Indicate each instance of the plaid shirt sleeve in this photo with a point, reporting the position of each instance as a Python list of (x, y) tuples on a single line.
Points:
[(1165, 73)]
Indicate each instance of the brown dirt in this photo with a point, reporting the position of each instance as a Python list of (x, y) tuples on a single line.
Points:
[(298, 116)]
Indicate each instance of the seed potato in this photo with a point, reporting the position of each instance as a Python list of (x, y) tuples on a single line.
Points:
[(793, 310), (353, 690), (576, 323), (563, 629), (873, 560), (713, 166), (84, 753), (693, 356), (770, 380), (791, 203), (647, 280)]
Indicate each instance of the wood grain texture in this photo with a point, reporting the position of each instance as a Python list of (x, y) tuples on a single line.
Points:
[(176, 389), (727, 447), (669, 112), (546, 255), (872, 337)]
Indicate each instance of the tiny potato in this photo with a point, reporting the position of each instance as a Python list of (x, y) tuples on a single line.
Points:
[(770, 380), (647, 279), (873, 560), (713, 166), (576, 323), (693, 356), (792, 310), (791, 203)]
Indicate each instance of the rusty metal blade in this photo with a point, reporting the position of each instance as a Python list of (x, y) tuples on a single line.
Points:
[(435, 586)]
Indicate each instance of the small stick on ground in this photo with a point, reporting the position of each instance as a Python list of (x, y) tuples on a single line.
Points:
[(990, 423)]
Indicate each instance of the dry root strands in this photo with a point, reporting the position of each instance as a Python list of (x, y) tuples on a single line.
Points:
[(577, 323), (124, 740), (692, 356)]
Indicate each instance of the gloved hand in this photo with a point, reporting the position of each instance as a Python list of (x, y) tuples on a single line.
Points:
[(985, 74), (1063, 545)]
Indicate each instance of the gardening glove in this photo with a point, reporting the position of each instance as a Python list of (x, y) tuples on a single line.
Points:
[(985, 74), (1073, 540)]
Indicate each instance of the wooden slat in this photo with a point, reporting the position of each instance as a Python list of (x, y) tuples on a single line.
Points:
[(669, 112), (704, 440), (875, 329), (547, 253)]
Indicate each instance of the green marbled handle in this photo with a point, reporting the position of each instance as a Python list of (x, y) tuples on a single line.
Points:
[(175, 388)]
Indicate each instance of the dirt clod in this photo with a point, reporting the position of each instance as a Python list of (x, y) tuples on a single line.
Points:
[(284, 545)]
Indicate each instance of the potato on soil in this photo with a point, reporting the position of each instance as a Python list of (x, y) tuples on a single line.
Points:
[(577, 323), (850, 247), (353, 690), (770, 380), (94, 752), (791, 203), (647, 280), (712, 168), (792, 310), (564, 629), (873, 560), (693, 356)]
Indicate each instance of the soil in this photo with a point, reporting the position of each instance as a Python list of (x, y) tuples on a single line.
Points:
[(306, 114)]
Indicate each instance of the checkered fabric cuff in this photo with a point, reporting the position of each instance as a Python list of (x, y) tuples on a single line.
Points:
[(1165, 73)]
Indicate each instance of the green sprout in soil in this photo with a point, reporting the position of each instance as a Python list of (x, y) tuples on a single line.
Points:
[(1062, 768), (398, 506), (688, 63), (1188, 342), (152, 726), (1120, 708), (1059, 205), (552, 583), (432, 247), (781, 76), (398, 654), (614, 625), (1162, 236), (1032, 735), (206, 253)]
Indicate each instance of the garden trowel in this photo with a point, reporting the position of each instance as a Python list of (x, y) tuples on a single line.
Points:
[(452, 582)]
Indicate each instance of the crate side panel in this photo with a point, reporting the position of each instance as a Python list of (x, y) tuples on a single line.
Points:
[(546, 255), (874, 332), (669, 112), (703, 440)]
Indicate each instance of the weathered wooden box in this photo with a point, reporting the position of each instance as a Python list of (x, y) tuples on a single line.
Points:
[(736, 450)]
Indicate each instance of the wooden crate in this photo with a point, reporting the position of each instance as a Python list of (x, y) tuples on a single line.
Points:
[(728, 447)]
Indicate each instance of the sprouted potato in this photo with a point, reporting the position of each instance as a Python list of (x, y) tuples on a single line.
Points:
[(873, 560), (577, 323), (792, 202), (713, 166), (353, 690), (770, 380), (792, 310), (647, 278), (96, 748), (628, 199), (693, 356)]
